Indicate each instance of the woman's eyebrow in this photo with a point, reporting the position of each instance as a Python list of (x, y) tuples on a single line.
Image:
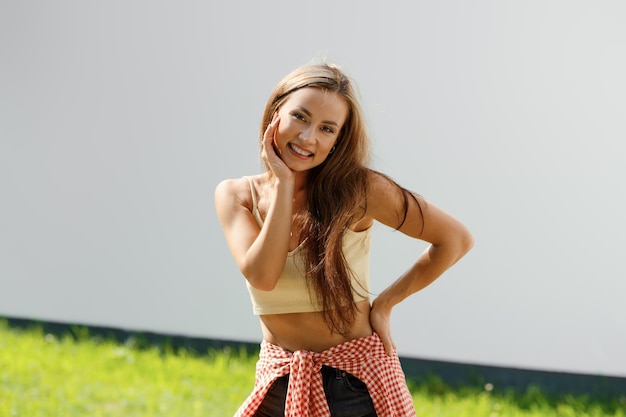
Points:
[(308, 113)]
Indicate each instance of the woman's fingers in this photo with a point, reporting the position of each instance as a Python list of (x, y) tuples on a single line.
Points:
[(385, 337), (270, 152), (269, 137), (270, 132), (382, 326)]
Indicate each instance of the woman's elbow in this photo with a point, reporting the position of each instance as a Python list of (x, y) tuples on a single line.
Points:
[(261, 285), (259, 281), (465, 242)]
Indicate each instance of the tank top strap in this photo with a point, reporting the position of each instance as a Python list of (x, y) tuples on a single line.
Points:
[(255, 206)]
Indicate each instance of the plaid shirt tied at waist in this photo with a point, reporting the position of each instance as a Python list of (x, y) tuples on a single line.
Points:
[(365, 358)]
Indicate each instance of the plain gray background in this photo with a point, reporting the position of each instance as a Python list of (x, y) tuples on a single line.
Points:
[(118, 119)]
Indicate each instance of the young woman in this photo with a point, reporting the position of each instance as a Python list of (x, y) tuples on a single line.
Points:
[(300, 234)]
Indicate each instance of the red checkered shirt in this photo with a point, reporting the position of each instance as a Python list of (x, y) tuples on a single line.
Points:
[(364, 358)]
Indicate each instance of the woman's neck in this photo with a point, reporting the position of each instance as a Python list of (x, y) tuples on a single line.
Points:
[(300, 183)]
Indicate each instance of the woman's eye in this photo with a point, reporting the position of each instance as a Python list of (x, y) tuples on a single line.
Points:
[(328, 130), (299, 116)]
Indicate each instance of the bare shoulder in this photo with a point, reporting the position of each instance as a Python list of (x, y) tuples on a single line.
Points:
[(229, 188), (383, 192), (232, 199), (392, 205), (234, 208), (235, 192)]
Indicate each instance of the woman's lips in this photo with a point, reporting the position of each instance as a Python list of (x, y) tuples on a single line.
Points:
[(301, 152)]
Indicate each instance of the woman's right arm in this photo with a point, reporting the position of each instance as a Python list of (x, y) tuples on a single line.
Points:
[(260, 253)]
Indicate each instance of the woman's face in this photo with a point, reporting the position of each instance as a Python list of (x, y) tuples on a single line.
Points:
[(310, 122)]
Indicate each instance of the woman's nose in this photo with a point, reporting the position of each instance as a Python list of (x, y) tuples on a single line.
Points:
[(306, 134)]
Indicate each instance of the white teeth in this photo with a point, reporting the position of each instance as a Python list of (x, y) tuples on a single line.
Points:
[(299, 151)]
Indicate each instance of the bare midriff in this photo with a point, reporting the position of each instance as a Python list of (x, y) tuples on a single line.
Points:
[(309, 331)]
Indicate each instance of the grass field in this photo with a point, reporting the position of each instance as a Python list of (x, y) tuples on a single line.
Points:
[(43, 375)]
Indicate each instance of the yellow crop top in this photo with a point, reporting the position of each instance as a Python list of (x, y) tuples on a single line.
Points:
[(292, 294)]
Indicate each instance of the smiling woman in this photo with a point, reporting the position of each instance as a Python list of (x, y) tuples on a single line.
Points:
[(307, 127), (300, 234)]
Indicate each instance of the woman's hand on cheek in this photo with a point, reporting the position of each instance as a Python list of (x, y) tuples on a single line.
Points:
[(270, 152)]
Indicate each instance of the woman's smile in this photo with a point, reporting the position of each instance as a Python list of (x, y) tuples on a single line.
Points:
[(299, 151)]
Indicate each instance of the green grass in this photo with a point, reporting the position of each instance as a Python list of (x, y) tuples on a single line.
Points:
[(42, 375)]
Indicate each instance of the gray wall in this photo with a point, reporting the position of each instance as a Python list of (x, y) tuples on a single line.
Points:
[(117, 120)]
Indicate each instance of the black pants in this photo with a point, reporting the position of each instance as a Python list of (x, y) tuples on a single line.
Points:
[(347, 396)]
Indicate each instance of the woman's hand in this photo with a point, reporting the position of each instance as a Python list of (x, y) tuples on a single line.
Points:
[(380, 319), (269, 151)]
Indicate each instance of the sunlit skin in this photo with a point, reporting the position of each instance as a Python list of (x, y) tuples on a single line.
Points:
[(300, 137)]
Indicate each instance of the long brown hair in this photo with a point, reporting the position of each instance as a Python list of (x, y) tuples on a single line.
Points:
[(336, 193)]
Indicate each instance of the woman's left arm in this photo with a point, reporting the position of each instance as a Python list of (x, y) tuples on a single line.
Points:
[(449, 240)]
